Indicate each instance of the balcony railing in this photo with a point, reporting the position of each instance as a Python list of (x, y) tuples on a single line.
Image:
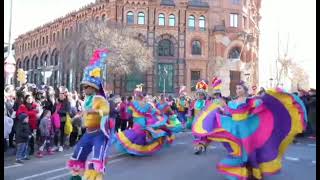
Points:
[(219, 28), (198, 3), (167, 3)]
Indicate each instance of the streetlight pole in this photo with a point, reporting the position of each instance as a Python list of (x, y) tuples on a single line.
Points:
[(10, 23), (10, 62), (164, 80)]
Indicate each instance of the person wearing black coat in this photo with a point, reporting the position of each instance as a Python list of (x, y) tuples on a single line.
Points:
[(63, 108), (23, 133), (17, 103)]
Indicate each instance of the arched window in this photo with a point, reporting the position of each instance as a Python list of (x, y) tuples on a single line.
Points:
[(161, 19), (45, 61), (47, 39), (42, 40), (27, 64), (172, 20), (56, 59), (103, 17), (52, 58), (196, 48), (141, 18), (234, 53), (19, 64), (36, 63), (35, 78), (97, 19), (66, 32), (130, 18), (165, 48), (54, 36), (202, 23), (191, 22)]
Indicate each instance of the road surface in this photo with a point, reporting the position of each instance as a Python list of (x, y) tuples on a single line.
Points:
[(174, 163)]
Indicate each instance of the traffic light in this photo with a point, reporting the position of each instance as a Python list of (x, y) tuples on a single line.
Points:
[(22, 76)]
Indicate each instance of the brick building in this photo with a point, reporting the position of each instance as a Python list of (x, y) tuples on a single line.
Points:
[(187, 37)]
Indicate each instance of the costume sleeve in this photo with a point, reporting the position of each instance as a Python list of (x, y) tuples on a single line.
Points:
[(101, 105)]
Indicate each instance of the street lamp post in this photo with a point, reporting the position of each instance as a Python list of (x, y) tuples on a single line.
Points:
[(247, 77), (271, 79), (10, 62), (164, 80)]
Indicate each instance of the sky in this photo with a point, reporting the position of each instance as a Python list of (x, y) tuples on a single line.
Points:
[(295, 19)]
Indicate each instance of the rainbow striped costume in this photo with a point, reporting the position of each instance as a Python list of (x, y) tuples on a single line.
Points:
[(142, 139), (256, 133), (172, 124)]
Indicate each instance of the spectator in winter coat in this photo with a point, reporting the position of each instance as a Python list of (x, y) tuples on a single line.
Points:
[(23, 134), (7, 126), (76, 108), (124, 116), (49, 102), (46, 132), (18, 101), (30, 108), (63, 108)]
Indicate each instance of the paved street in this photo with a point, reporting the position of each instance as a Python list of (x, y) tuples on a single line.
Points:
[(176, 162)]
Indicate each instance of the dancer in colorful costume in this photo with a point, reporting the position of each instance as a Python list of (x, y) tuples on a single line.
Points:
[(199, 104), (182, 106), (255, 131), (173, 124), (142, 139), (99, 129), (201, 142)]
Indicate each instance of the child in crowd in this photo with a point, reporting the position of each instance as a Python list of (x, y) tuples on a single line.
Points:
[(23, 134), (47, 133)]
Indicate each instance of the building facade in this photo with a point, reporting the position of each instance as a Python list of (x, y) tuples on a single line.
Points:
[(190, 40)]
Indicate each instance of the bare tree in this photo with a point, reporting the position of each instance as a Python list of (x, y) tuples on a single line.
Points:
[(299, 77), (127, 53), (285, 64)]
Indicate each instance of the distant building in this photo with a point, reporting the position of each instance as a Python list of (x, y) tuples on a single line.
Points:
[(186, 36)]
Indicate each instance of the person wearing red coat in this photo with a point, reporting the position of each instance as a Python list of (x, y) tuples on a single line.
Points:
[(30, 108)]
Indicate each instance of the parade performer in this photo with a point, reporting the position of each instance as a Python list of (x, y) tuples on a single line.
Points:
[(99, 129), (201, 142), (199, 104), (255, 131), (173, 124), (182, 106), (142, 139)]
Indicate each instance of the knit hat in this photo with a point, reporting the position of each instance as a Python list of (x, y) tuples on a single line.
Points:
[(22, 116)]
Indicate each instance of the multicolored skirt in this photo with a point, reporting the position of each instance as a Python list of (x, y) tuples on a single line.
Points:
[(256, 144), (142, 141)]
